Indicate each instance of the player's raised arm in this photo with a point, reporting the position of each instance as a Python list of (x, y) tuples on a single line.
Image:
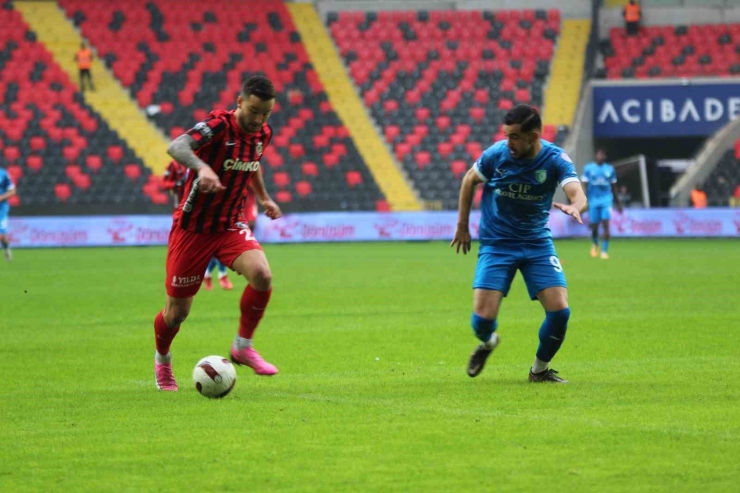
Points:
[(467, 190), (578, 201), (182, 150), (272, 210)]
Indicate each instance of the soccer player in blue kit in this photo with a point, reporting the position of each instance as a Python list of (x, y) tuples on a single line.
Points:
[(520, 175), (601, 189), (7, 190)]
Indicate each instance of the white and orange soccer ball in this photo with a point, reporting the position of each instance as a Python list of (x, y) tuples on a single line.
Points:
[(214, 376)]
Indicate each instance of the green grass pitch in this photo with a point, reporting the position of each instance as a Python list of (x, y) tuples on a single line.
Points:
[(372, 342)]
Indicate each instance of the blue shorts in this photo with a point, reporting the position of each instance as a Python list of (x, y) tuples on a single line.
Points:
[(599, 213), (3, 222), (498, 263)]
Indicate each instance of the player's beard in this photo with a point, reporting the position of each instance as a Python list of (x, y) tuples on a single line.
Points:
[(247, 127)]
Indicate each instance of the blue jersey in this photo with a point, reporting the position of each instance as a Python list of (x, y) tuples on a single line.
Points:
[(6, 184), (517, 193), (599, 178)]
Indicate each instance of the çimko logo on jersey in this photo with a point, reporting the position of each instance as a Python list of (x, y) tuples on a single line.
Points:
[(239, 165)]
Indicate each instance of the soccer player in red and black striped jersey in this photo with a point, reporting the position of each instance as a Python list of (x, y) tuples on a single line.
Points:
[(173, 181), (223, 155)]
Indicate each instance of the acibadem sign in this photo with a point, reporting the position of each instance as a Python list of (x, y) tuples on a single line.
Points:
[(664, 110)]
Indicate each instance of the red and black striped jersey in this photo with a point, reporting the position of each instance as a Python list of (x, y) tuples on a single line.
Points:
[(234, 155), (174, 179)]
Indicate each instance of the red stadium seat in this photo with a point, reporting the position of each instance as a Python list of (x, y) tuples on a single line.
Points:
[(132, 171), (444, 149), (281, 179), (737, 149), (320, 141), (442, 122), (391, 132), (14, 201), (72, 170), (477, 114), (283, 196), (34, 163), (339, 150), (296, 151), (11, 154), (15, 173), (459, 168), (423, 159), (330, 160), (71, 153), (382, 206), (62, 191), (115, 153), (93, 163), (353, 178), (38, 143), (303, 188), (82, 181), (310, 169)]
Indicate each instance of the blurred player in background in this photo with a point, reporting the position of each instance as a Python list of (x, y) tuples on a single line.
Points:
[(174, 178), (7, 190), (520, 176), (600, 181), (222, 154)]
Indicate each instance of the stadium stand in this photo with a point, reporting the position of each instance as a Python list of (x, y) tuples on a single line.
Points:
[(723, 184), (63, 155), (188, 57), (440, 82), (672, 51)]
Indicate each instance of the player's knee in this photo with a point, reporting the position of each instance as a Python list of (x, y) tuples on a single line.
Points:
[(483, 328), (559, 321), (261, 278), (176, 314)]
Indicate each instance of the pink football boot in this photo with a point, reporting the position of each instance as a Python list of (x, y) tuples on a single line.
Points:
[(251, 358)]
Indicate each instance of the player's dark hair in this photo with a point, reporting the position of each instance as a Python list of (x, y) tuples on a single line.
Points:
[(525, 116), (260, 86)]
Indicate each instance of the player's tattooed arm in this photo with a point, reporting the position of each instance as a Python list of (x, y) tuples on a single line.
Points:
[(182, 150)]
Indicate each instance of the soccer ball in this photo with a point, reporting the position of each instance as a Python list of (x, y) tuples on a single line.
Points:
[(214, 376)]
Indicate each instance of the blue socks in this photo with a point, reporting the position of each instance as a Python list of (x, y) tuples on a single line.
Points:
[(552, 333), (605, 246), (483, 328), (215, 263)]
